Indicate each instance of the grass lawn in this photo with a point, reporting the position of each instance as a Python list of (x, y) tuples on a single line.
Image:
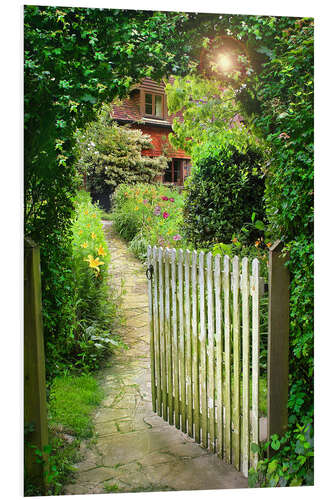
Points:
[(71, 404)]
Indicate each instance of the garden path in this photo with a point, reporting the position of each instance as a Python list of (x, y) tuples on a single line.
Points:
[(135, 449)]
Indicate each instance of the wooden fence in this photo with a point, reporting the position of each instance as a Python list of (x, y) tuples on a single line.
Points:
[(204, 324)]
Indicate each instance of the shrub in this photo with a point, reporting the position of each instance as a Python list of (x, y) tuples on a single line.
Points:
[(109, 155), (223, 191)]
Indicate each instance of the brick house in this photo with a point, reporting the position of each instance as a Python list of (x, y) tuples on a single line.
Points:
[(146, 109)]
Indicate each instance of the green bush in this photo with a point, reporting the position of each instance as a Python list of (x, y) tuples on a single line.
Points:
[(224, 190), (110, 155)]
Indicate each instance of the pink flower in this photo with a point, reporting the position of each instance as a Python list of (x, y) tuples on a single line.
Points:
[(145, 202), (171, 199), (165, 215), (157, 210), (283, 135), (165, 198), (177, 237)]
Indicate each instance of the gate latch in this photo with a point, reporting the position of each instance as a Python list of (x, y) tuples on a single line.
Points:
[(150, 272)]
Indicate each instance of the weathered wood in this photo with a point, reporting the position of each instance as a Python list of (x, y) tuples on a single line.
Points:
[(168, 337), (246, 367), (219, 354), (195, 363), (255, 359), (203, 361), (151, 330), (278, 341), (200, 365), (227, 367), (236, 365), (181, 339), (188, 345), (157, 334), (162, 332), (35, 412), (175, 337), (210, 353)]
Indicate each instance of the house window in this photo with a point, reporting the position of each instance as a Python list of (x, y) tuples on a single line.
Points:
[(176, 170), (173, 173), (154, 105)]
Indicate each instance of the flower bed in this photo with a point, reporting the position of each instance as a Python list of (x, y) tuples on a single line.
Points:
[(147, 214), (95, 309)]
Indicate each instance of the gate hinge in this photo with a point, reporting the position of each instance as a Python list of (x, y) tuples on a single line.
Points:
[(150, 272)]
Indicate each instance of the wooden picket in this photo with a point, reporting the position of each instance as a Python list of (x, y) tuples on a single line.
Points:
[(204, 324)]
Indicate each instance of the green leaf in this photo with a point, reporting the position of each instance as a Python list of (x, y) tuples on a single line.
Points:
[(254, 447), (260, 225)]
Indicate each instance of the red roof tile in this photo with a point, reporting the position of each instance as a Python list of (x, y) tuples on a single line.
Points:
[(125, 111)]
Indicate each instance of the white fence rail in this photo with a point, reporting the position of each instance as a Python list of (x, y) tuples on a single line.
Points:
[(204, 325)]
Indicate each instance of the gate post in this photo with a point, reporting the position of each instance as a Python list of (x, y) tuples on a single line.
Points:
[(34, 366), (278, 342)]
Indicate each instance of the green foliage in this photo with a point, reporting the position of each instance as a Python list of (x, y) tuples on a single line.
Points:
[(91, 308), (224, 189), (147, 215), (210, 113), (95, 308), (284, 95), (74, 60), (292, 464), (110, 155)]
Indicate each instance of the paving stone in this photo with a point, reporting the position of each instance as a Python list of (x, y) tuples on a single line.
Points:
[(136, 450)]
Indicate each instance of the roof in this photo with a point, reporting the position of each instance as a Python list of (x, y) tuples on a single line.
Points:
[(126, 111)]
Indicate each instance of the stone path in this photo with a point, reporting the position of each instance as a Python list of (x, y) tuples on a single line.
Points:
[(136, 450)]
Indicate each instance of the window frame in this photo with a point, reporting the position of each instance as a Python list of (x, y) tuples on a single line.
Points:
[(153, 105), (180, 181)]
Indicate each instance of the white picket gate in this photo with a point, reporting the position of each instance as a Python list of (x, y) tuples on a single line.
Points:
[(204, 326)]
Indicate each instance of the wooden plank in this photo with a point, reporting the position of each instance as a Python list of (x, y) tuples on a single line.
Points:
[(181, 339), (195, 361), (278, 341), (188, 345), (162, 333), (227, 399), (175, 337), (203, 347), (236, 366), (168, 337), (151, 330), (246, 368), (157, 335), (210, 353), (219, 354), (35, 410), (255, 360)]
